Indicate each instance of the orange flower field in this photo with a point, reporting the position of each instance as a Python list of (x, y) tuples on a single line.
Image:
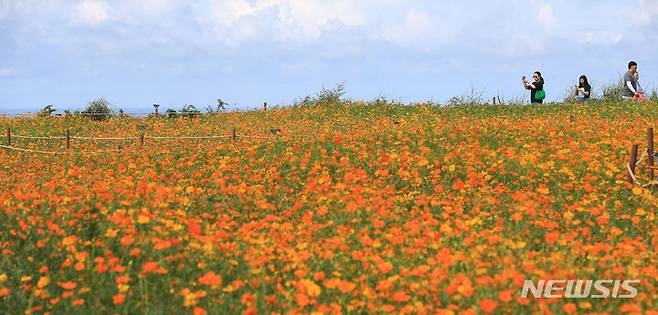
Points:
[(350, 208)]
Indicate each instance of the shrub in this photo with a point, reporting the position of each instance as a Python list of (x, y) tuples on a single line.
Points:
[(325, 96), (98, 109), (613, 91), (189, 110), (472, 97), (333, 95), (47, 111), (221, 107), (171, 113)]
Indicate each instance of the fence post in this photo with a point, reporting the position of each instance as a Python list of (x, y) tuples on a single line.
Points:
[(8, 136), (265, 106), (494, 100), (650, 172), (632, 162), (141, 128), (234, 134), (68, 139)]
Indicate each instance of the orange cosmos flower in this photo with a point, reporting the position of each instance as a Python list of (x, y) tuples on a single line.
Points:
[(69, 285), (194, 228), (210, 278), (119, 299), (400, 296), (488, 306), (153, 267), (199, 311)]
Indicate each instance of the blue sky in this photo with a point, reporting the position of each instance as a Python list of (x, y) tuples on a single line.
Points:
[(174, 52)]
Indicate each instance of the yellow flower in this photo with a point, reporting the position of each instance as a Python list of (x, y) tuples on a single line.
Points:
[(312, 289), (142, 219), (543, 190), (43, 282), (111, 233), (585, 305), (123, 288)]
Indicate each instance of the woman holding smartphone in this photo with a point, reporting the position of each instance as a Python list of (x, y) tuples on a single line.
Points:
[(537, 94), (583, 89)]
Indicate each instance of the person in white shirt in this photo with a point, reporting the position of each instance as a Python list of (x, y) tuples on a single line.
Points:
[(638, 88), (629, 91)]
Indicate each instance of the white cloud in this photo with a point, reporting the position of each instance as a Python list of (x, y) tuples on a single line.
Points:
[(308, 17), (644, 13), (599, 37), (546, 16), (7, 72), (142, 10), (91, 12), (4, 9), (416, 29), (285, 20), (175, 25)]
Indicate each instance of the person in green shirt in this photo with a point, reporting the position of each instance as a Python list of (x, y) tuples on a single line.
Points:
[(537, 94)]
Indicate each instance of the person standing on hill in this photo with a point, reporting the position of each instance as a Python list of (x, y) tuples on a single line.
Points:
[(537, 94), (638, 88), (629, 91), (583, 89)]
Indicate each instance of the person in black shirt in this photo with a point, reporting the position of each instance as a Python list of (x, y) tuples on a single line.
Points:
[(583, 89), (534, 87)]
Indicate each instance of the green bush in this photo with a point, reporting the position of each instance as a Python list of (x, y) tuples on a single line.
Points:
[(98, 109), (613, 91), (326, 96), (171, 113), (46, 111), (221, 107), (189, 111)]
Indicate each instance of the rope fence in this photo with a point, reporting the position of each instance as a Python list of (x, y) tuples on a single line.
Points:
[(102, 138), (141, 140), (32, 151), (633, 162), (187, 137)]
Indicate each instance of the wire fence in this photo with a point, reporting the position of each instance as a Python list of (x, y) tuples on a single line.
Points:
[(138, 141), (634, 162), (123, 113)]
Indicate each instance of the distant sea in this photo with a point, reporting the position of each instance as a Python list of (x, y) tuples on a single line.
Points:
[(135, 112)]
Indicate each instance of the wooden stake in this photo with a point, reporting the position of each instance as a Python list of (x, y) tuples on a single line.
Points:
[(265, 106), (494, 100), (632, 162), (8, 136), (68, 139), (141, 139), (234, 133), (650, 171)]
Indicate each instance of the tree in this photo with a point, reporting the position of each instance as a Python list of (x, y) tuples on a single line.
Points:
[(98, 109), (47, 111)]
